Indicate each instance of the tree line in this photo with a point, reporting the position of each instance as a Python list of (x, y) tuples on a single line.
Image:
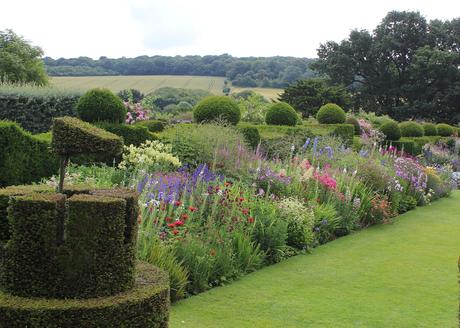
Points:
[(275, 72)]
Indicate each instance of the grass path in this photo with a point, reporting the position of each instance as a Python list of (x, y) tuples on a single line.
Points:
[(400, 275)]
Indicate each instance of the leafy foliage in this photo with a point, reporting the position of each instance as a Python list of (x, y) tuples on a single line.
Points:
[(411, 129), (391, 130), (430, 129), (281, 114), (331, 114), (444, 130), (101, 105), (217, 108)]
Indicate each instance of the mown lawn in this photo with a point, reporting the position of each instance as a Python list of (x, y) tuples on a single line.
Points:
[(402, 274)]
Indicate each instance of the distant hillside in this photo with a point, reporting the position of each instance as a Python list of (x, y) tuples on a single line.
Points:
[(267, 72), (149, 83)]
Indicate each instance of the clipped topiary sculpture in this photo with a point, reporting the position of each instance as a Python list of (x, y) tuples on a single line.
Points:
[(430, 129), (281, 114), (67, 259), (391, 130), (411, 129), (101, 105), (331, 114), (214, 108), (444, 130)]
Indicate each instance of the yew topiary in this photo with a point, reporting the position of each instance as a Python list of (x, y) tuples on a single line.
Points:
[(391, 130), (215, 108), (101, 105), (281, 114), (331, 114)]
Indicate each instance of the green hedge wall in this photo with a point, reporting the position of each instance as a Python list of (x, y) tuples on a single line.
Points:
[(132, 134), (34, 110), (145, 305), (24, 158)]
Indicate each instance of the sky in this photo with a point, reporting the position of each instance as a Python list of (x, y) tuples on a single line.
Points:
[(130, 28)]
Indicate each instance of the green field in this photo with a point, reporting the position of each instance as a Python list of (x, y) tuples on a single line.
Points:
[(148, 83)]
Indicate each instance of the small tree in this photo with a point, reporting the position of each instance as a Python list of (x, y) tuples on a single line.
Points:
[(20, 62), (72, 136)]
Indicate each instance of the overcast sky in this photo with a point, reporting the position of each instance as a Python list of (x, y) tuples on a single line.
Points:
[(116, 28)]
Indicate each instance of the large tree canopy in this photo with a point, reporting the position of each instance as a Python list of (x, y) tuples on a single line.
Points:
[(20, 62), (407, 67)]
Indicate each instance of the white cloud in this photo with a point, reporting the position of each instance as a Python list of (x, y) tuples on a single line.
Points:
[(240, 27)]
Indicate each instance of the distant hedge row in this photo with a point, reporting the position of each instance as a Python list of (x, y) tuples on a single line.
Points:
[(34, 108)]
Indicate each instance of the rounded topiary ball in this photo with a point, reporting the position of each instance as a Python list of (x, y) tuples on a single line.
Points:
[(353, 121), (411, 129), (430, 129), (444, 130), (391, 130), (331, 114), (281, 113), (217, 108), (101, 105)]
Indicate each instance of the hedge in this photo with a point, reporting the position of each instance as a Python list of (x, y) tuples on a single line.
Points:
[(131, 134), (152, 125), (217, 108), (24, 158), (96, 258), (34, 108), (281, 113), (251, 134), (145, 305), (411, 129), (72, 136)]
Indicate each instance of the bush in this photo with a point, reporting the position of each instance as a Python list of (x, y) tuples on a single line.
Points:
[(430, 129), (251, 134), (411, 129), (152, 125), (131, 95), (132, 134), (391, 130), (281, 114), (24, 158), (407, 203), (217, 108), (353, 121), (300, 220), (408, 146), (145, 305), (331, 114), (101, 105), (72, 137), (34, 108), (444, 130)]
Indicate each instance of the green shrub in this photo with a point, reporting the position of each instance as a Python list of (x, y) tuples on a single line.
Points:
[(343, 131), (152, 125), (24, 158), (353, 121), (131, 95), (101, 105), (300, 220), (131, 134), (217, 108), (411, 129), (72, 136), (444, 130), (145, 305), (373, 175), (281, 114), (331, 114), (407, 203), (251, 134), (430, 129), (391, 130), (407, 145), (34, 108)]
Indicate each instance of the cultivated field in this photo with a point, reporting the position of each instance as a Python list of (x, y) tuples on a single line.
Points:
[(148, 83)]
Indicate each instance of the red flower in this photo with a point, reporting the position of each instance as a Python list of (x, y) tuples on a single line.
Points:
[(250, 219), (179, 223), (168, 219), (241, 199), (184, 216), (175, 231), (245, 211), (178, 203), (193, 209), (171, 225)]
